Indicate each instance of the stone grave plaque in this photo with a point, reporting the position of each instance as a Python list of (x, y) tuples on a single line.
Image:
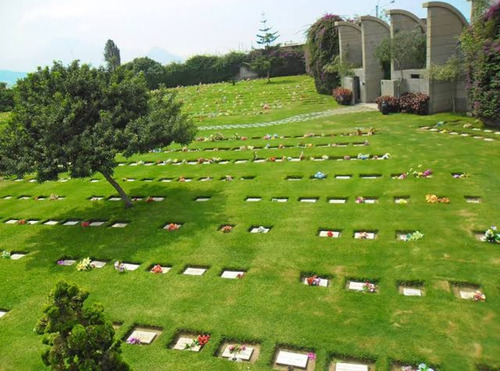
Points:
[(183, 341), (96, 198), (166, 180), (322, 282), (202, 199), (357, 286), (259, 160), (24, 197), (369, 177), (337, 201), (240, 161), (194, 271), (407, 291), (340, 366), (294, 159), (119, 225), (32, 221), (17, 256), (133, 164), (51, 222), (164, 269), (259, 230), (7, 197), (279, 199), (114, 199), (473, 200), (370, 200), (131, 266), (67, 262), (369, 235), (130, 179), (309, 200), (96, 223), (292, 359), (342, 177), (244, 355), (71, 222), (231, 274), (468, 295), (12, 221), (94, 180), (224, 162), (97, 264), (145, 337), (253, 199), (157, 199), (192, 162), (32, 180), (336, 234), (488, 139), (2, 313)]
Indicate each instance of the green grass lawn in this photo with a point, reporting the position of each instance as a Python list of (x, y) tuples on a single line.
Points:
[(253, 100), (270, 306)]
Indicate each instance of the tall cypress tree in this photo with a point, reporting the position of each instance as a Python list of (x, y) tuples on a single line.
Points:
[(112, 55)]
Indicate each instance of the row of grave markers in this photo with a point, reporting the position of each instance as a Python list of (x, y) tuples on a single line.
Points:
[(461, 134)]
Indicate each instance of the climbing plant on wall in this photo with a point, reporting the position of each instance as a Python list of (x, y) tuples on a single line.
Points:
[(481, 47), (321, 48)]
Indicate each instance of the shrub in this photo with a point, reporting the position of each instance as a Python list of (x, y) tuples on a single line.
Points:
[(414, 103), (392, 103), (343, 96)]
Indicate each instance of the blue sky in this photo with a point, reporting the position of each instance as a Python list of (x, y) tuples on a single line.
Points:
[(35, 32)]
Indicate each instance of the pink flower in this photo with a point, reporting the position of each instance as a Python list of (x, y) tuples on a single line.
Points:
[(311, 356)]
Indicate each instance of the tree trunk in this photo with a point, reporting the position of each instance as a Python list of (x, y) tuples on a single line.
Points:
[(125, 198)]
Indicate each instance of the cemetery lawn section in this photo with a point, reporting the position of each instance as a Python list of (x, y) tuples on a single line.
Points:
[(270, 307)]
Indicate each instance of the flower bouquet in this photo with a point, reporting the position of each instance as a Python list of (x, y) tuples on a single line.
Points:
[(172, 227), (432, 199), (414, 236), (491, 235), (368, 287), (422, 174), (84, 265), (420, 367), (363, 156), (313, 281), (319, 175), (235, 350), (330, 234), (149, 199), (360, 200), (85, 224), (479, 296), (261, 229), (5, 254), (200, 341), (120, 267), (157, 269), (226, 228), (21, 221), (133, 341)]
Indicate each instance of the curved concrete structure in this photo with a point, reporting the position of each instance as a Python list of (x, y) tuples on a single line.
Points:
[(350, 43), (449, 7), (402, 20)]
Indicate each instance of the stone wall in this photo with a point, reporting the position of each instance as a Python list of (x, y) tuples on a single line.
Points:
[(350, 43)]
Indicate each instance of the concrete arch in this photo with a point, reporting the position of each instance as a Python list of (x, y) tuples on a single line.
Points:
[(369, 18), (409, 15), (348, 24), (451, 8)]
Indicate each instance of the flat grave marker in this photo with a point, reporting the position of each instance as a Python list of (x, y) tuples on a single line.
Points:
[(12, 221), (66, 262), (244, 355), (97, 264), (323, 282), (260, 229), (190, 271), (71, 222), (253, 199), (32, 221), (329, 233), (286, 358), (364, 235), (202, 199), (473, 200), (131, 266), (308, 200), (356, 286), (337, 200), (232, 275), (17, 255), (343, 176), (51, 222), (183, 341), (2, 313), (341, 366), (279, 199), (114, 199), (97, 223), (119, 225), (145, 336), (409, 291), (164, 269)]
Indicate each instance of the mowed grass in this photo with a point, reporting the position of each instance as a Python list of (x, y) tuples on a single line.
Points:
[(253, 100), (270, 305)]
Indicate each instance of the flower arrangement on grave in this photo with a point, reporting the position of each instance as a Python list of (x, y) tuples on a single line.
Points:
[(491, 235), (5, 254), (309, 145), (384, 157), (432, 199), (422, 174), (400, 176), (172, 227), (363, 156), (21, 221), (120, 267), (261, 229), (133, 341), (236, 349), (347, 157), (84, 265), (368, 287), (60, 262), (319, 175), (53, 197), (216, 159), (272, 159), (360, 200), (157, 269), (281, 146), (149, 199), (313, 281), (402, 201), (460, 175), (414, 236), (200, 341), (363, 235), (182, 179), (325, 157), (420, 367), (240, 275), (330, 234), (311, 356), (85, 224), (479, 296), (302, 157), (229, 178), (226, 228)]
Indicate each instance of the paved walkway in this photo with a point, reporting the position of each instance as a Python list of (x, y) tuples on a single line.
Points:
[(368, 107)]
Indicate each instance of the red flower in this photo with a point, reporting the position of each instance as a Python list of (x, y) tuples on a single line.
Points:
[(85, 224), (22, 221), (329, 234)]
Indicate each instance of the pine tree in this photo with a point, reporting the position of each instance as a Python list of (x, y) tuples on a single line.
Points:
[(112, 55), (266, 38)]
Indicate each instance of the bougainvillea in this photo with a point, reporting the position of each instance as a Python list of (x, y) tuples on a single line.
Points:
[(321, 48), (481, 46)]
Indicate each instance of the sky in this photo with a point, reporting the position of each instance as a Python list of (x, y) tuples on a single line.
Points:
[(36, 32)]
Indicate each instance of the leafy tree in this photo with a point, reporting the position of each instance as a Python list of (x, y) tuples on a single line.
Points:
[(6, 98), (154, 73), (406, 48), (341, 67), (79, 336), (76, 119), (229, 65), (266, 38), (452, 72), (321, 48), (112, 55)]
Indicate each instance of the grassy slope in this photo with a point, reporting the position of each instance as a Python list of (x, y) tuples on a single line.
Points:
[(270, 305), (244, 102)]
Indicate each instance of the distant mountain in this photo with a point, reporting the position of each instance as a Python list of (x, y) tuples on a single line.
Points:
[(162, 56), (10, 77)]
